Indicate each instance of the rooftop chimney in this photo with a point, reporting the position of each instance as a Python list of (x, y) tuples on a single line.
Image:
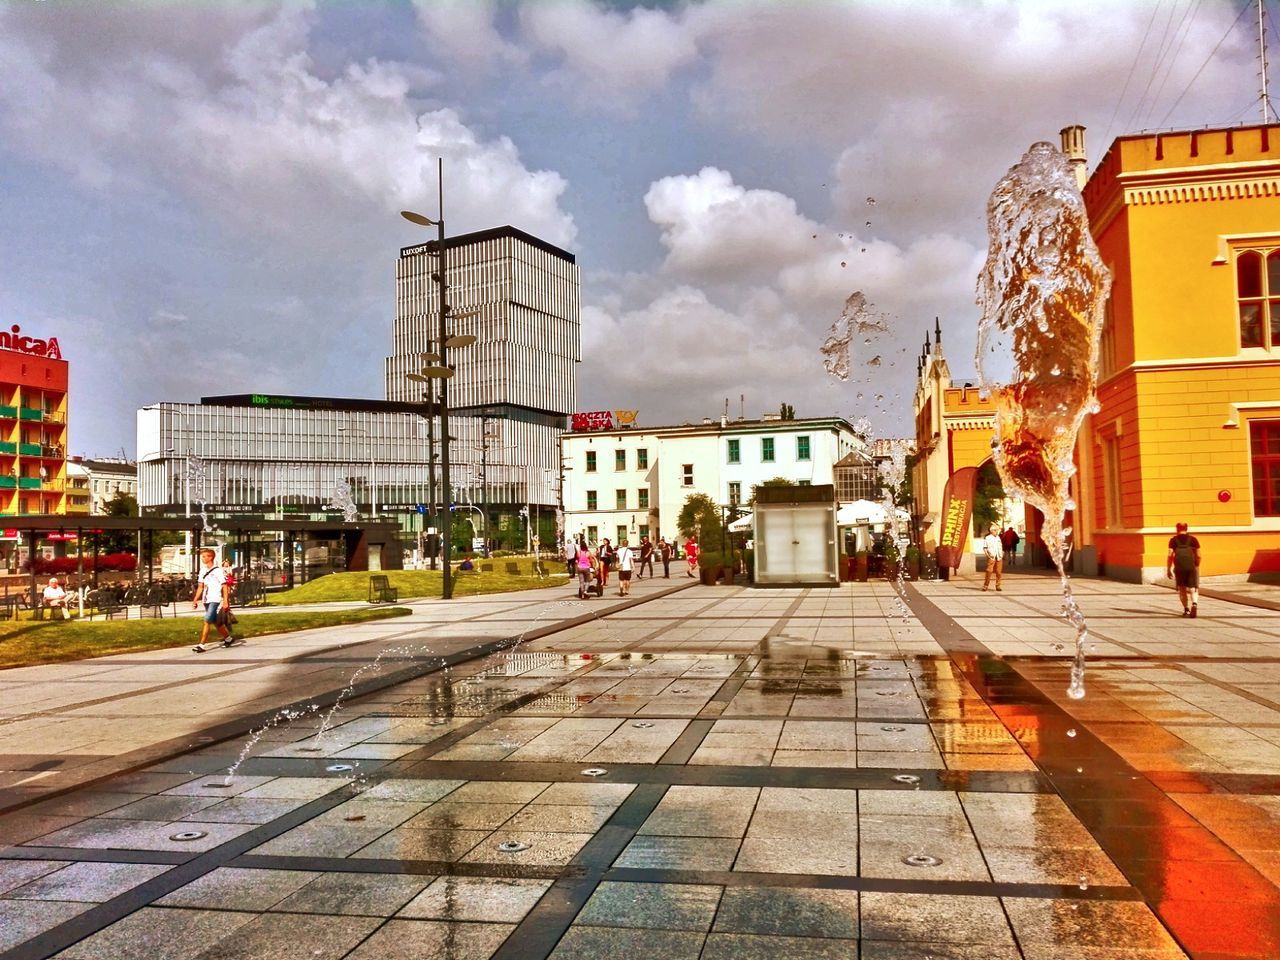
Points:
[(1073, 147)]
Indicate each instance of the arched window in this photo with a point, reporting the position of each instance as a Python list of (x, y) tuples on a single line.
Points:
[(1258, 298)]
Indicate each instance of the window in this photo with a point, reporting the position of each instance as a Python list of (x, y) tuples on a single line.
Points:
[(642, 459), (620, 499), (619, 459), (593, 534), (621, 534), (1264, 451), (643, 494), (803, 483), (591, 461), (1111, 482), (644, 529), (802, 448), (735, 451), (1258, 297), (591, 500), (1107, 348), (735, 494), (766, 449), (687, 480)]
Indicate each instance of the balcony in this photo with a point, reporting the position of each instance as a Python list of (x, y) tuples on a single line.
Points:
[(30, 449), (8, 413), (53, 416), (8, 446), (28, 413), (8, 483), (29, 483)]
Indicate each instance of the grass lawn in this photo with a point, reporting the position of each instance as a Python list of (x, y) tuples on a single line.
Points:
[(27, 643), (422, 583)]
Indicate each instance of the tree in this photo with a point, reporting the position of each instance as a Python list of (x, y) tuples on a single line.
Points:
[(788, 412), (700, 518), (988, 497)]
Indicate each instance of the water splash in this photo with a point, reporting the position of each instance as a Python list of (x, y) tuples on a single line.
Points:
[(858, 318), (1043, 293)]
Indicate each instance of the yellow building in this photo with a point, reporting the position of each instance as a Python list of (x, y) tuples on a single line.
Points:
[(1189, 430)]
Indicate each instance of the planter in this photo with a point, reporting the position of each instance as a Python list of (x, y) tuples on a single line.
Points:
[(913, 569), (861, 569), (728, 576), (891, 569), (707, 575)]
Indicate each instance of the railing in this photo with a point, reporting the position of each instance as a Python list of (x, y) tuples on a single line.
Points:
[(9, 413), (28, 413), (29, 449), (29, 483), (8, 483), (8, 446)]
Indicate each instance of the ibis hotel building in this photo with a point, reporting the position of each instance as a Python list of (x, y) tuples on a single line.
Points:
[(278, 456), (33, 425)]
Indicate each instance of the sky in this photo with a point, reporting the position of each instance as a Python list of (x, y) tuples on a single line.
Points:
[(202, 198)]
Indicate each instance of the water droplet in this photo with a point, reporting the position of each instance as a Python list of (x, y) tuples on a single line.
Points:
[(1084, 882), (874, 361), (1071, 732), (844, 263), (871, 201)]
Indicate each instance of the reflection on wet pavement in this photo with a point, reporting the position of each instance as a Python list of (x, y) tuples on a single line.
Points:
[(782, 774)]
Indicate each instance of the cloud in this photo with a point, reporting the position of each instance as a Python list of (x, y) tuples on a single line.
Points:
[(467, 32), (258, 136), (610, 53)]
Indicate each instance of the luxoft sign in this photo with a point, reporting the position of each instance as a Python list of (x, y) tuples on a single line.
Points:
[(13, 339)]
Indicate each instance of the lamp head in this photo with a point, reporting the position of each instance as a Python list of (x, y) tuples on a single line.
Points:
[(418, 218)]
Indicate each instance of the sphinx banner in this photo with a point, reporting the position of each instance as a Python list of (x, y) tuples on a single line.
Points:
[(957, 508)]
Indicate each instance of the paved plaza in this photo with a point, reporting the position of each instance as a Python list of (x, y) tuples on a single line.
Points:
[(694, 772)]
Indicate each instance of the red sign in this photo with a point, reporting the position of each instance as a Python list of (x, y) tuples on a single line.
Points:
[(957, 504), (594, 420), (14, 340)]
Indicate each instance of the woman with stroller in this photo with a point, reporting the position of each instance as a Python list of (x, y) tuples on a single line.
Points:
[(585, 564)]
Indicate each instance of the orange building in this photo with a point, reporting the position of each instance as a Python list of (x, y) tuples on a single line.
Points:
[(1189, 427), (33, 425)]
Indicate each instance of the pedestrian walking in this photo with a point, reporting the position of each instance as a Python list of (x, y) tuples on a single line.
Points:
[(1009, 540), (646, 558), (664, 551), (626, 558), (994, 550), (1183, 566), (212, 590), (605, 554), (571, 556), (691, 554), (585, 564)]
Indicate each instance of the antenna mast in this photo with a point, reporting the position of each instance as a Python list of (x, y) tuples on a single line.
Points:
[(1262, 58)]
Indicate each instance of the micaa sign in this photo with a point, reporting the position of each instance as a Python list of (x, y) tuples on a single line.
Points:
[(14, 340)]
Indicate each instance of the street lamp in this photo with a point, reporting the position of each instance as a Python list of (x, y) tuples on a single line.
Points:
[(441, 371)]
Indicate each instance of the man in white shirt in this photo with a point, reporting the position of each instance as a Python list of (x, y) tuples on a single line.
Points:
[(994, 550), (54, 597), (626, 559), (212, 589)]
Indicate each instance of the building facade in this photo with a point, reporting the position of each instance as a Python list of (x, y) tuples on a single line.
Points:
[(108, 477), (519, 296), (1189, 426), (33, 425), (634, 482)]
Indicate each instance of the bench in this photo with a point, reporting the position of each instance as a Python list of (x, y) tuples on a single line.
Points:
[(485, 568), (513, 568), (381, 591)]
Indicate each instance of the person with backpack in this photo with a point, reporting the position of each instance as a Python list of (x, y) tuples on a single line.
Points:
[(1183, 566)]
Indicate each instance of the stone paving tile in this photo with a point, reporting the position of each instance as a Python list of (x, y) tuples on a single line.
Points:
[(408, 843), (934, 918), (310, 840), (936, 950), (609, 943), (1091, 923), (411, 790), (679, 853), (87, 882), (233, 888), (545, 849), (239, 810), (356, 894), (788, 911), (420, 939), (286, 936), (459, 814), (739, 946), (658, 906), (15, 873), (491, 899), (688, 811), (155, 933), (96, 834), (20, 920), (812, 855)]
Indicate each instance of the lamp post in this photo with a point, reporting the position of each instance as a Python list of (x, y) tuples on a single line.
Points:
[(442, 372)]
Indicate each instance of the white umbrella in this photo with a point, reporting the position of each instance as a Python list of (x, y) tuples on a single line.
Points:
[(741, 524), (859, 512)]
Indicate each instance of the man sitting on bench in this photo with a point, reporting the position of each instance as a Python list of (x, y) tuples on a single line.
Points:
[(55, 598)]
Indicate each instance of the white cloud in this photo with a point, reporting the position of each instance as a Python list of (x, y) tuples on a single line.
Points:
[(260, 138), (466, 30), (608, 52)]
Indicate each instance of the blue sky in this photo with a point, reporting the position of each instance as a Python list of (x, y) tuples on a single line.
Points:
[(201, 198)]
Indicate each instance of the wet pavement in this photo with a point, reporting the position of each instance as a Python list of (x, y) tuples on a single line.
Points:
[(715, 773)]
